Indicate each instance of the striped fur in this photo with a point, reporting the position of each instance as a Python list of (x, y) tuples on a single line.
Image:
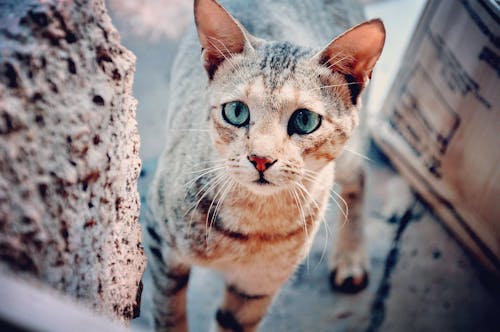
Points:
[(207, 204)]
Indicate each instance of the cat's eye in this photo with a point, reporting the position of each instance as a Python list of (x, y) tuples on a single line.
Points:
[(303, 122), (236, 113)]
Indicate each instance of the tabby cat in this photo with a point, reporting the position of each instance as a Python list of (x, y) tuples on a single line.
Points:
[(255, 133)]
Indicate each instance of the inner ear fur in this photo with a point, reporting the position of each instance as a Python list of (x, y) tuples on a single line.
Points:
[(219, 33), (354, 54)]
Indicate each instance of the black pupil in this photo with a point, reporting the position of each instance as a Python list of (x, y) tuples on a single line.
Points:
[(237, 111), (303, 118)]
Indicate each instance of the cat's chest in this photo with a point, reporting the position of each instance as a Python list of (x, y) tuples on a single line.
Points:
[(278, 214), (225, 247), (252, 231)]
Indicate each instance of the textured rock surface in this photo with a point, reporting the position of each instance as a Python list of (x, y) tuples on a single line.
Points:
[(69, 152)]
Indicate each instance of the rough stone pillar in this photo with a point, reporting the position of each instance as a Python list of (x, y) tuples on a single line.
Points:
[(69, 160)]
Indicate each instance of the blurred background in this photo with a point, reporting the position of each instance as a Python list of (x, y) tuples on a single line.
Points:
[(423, 277)]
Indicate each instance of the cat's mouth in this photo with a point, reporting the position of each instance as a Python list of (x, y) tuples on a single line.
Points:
[(262, 180), (262, 184)]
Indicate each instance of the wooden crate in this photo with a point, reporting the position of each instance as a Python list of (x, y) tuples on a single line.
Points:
[(440, 124)]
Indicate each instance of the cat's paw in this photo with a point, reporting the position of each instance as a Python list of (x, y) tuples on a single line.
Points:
[(349, 272)]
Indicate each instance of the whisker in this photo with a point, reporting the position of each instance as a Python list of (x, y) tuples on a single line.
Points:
[(358, 154), (301, 209), (208, 183), (192, 208), (217, 161), (207, 224), (334, 86), (225, 188), (223, 45), (189, 130), (213, 184), (337, 62), (219, 50), (303, 192), (323, 221), (312, 176), (304, 189), (216, 167), (208, 171), (346, 212), (235, 67), (325, 243), (304, 223)]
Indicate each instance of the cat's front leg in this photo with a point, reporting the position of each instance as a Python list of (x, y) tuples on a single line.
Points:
[(349, 263), (242, 309), (170, 279)]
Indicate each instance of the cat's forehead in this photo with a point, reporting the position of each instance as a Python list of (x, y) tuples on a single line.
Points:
[(279, 56), (288, 96), (267, 69), (278, 62)]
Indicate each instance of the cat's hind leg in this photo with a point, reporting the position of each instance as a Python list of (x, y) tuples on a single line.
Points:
[(169, 286), (349, 263)]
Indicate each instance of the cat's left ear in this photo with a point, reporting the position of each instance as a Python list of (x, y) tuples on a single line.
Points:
[(220, 35), (354, 54)]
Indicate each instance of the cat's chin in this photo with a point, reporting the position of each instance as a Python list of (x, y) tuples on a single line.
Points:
[(262, 188)]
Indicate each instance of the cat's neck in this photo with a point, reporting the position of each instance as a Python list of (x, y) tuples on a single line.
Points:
[(280, 213)]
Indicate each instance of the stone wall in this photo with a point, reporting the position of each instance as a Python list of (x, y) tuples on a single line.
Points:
[(69, 153)]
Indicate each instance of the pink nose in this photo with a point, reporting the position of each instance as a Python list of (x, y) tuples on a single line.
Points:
[(261, 163)]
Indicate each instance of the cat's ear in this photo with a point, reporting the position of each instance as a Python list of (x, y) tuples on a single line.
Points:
[(354, 54), (220, 35)]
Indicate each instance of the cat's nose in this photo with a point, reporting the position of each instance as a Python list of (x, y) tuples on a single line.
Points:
[(261, 163)]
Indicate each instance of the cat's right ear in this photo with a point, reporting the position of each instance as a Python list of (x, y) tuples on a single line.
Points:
[(354, 54), (220, 35)]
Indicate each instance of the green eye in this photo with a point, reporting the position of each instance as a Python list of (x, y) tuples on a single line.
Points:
[(303, 122), (236, 113)]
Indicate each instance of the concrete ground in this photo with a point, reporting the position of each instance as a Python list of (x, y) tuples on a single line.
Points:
[(421, 278)]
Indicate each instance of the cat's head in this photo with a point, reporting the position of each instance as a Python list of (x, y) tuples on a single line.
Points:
[(281, 112)]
